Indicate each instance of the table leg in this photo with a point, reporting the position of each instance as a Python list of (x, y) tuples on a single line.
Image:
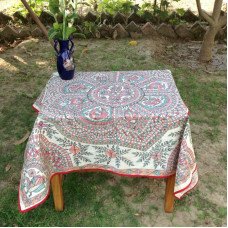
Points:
[(56, 184), (169, 194)]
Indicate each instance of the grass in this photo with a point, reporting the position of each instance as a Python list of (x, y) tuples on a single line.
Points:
[(100, 199)]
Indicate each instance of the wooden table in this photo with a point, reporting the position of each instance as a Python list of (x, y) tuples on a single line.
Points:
[(130, 123)]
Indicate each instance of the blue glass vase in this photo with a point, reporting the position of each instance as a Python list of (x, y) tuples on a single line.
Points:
[(65, 61)]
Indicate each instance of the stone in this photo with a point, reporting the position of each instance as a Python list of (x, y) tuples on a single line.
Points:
[(4, 19), (37, 33), (119, 18), (132, 27), (106, 31), (135, 35), (106, 18), (25, 32), (90, 17), (166, 30), (198, 30), (149, 30), (46, 18), (121, 32), (18, 16), (135, 18), (8, 34), (183, 32), (189, 16)]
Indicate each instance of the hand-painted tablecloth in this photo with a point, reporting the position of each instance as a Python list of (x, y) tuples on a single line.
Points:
[(131, 123)]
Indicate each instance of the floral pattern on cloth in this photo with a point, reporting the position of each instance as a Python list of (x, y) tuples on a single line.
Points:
[(131, 123)]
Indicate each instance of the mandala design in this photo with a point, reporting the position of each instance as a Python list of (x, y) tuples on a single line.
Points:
[(127, 108), (130, 123), (117, 95), (97, 115)]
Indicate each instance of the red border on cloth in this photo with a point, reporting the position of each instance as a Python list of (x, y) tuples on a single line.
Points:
[(187, 186), (36, 110), (100, 170), (85, 170)]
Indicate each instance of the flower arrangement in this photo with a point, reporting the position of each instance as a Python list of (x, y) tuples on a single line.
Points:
[(64, 13)]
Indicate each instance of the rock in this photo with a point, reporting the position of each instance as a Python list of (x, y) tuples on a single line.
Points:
[(4, 19), (135, 18), (106, 18), (183, 32), (149, 30), (37, 33), (198, 30), (121, 32), (119, 18), (132, 27), (90, 17), (18, 16), (25, 32), (8, 34), (189, 16), (106, 31), (166, 30), (46, 18), (135, 35)]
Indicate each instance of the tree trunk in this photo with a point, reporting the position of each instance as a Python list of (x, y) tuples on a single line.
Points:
[(207, 45)]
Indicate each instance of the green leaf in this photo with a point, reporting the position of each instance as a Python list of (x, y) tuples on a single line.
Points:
[(180, 11), (49, 12), (80, 35), (54, 6), (69, 31), (56, 26), (71, 16), (54, 34)]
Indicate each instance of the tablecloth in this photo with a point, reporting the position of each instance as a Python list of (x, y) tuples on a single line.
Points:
[(131, 123)]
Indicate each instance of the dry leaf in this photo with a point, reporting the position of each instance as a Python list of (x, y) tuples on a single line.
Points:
[(98, 35), (85, 50), (133, 43), (8, 167), (23, 139)]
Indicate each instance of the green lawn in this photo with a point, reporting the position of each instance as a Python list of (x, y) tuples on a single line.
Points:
[(100, 199)]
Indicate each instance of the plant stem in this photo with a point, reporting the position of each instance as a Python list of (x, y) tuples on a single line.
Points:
[(75, 9), (64, 19)]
